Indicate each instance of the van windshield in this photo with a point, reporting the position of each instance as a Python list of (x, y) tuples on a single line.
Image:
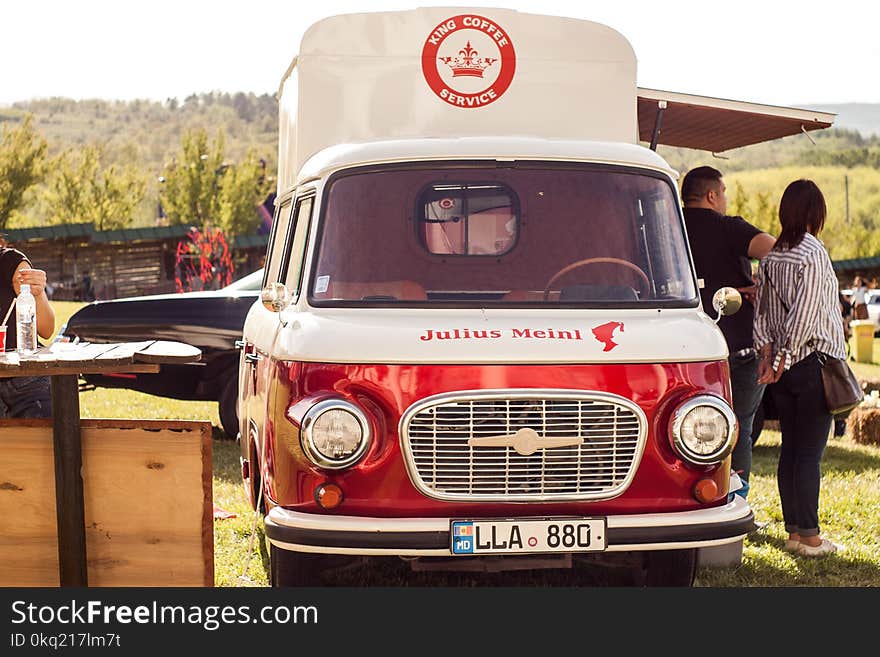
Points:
[(529, 234)]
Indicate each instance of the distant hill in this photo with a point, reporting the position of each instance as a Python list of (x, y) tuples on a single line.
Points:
[(861, 117), (148, 134), (794, 150)]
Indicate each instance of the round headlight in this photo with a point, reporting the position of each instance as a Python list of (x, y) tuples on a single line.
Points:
[(703, 430), (335, 434)]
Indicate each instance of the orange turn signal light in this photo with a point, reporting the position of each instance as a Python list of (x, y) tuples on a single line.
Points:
[(328, 496), (706, 490)]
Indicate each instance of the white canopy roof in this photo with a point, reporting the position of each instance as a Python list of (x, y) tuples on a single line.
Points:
[(446, 73), (454, 72)]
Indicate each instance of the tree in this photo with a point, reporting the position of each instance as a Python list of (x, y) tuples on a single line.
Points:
[(244, 106), (82, 190), (190, 192), (764, 216), (202, 189), (244, 188), (22, 165), (757, 210), (739, 204)]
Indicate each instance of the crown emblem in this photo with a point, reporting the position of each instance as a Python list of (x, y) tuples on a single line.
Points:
[(468, 64)]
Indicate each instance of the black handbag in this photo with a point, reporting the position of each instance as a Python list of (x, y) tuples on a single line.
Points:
[(842, 389)]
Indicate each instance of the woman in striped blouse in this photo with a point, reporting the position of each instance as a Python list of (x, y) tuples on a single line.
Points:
[(797, 320)]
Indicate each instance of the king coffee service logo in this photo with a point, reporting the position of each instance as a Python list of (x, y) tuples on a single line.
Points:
[(468, 61)]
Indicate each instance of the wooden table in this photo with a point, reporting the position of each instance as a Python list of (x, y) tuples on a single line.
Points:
[(63, 362)]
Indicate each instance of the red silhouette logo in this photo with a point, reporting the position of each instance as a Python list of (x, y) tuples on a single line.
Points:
[(605, 333)]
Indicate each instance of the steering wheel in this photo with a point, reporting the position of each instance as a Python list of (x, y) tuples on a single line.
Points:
[(596, 261)]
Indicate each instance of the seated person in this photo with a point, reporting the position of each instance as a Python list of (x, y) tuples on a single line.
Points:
[(24, 397)]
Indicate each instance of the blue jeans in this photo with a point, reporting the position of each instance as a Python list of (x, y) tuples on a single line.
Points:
[(25, 396), (805, 422), (747, 394)]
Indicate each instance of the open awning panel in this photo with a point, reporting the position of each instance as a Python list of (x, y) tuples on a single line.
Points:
[(718, 125)]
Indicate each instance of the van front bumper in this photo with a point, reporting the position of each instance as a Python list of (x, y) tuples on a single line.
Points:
[(308, 532)]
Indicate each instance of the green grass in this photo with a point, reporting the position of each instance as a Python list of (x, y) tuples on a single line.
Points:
[(849, 512), (63, 311), (231, 536), (238, 560)]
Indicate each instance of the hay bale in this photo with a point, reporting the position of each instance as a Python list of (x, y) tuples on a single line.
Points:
[(863, 424)]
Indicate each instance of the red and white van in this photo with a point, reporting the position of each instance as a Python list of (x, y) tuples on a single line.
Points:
[(480, 340)]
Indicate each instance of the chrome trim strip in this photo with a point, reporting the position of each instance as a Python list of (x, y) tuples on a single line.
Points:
[(678, 417), (516, 394), (735, 510), (678, 545), (641, 547), (297, 547)]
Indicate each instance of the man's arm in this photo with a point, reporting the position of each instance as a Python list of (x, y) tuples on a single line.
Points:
[(761, 245)]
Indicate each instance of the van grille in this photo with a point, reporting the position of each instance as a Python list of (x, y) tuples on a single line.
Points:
[(610, 432)]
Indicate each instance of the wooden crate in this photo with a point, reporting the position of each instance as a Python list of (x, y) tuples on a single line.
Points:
[(148, 503)]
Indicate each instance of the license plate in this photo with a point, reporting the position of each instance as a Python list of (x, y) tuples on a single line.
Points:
[(525, 536)]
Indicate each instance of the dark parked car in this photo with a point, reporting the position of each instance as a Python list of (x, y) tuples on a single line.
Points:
[(210, 320)]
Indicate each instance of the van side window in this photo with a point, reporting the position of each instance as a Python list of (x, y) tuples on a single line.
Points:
[(301, 220), (276, 243), (468, 219)]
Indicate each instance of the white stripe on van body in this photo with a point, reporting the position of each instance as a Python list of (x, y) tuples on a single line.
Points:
[(474, 336)]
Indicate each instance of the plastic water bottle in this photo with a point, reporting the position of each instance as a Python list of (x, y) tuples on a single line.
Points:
[(26, 321)]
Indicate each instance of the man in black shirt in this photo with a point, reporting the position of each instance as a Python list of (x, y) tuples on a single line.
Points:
[(722, 247)]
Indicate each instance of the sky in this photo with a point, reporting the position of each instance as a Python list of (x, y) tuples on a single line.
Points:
[(777, 52)]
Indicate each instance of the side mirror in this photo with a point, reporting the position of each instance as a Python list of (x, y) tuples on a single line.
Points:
[(726, 301), (276, 297)]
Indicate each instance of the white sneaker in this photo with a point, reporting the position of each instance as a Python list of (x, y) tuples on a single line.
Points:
[(825, 548)]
